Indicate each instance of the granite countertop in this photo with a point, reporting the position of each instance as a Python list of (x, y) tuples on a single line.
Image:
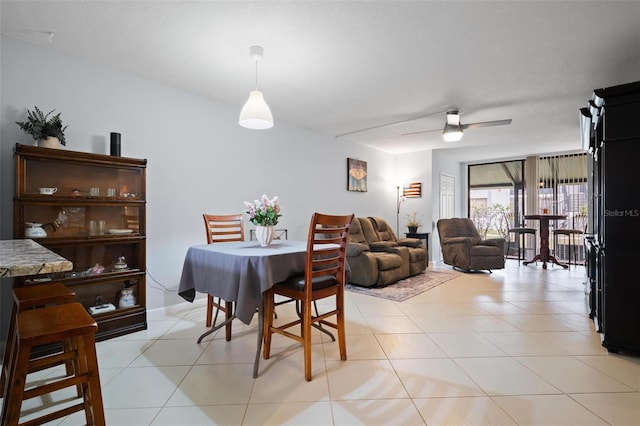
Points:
[(26, 257)]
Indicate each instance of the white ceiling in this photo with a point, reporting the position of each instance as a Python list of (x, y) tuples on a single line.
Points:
[(336, 66)]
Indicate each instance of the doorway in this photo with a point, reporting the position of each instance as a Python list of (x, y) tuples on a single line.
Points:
[(447, 196)]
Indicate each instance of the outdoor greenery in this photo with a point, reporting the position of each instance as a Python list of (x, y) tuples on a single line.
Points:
[(495, 217)]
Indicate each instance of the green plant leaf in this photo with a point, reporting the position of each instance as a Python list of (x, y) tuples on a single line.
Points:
[(40, 126)]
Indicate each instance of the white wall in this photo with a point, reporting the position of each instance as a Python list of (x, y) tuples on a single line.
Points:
[(416, 167), (199, 159)]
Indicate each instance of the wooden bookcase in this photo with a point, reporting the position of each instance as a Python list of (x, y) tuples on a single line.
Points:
[(72, 219)]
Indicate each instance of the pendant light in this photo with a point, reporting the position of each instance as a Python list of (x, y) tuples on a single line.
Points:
[(255, 113)]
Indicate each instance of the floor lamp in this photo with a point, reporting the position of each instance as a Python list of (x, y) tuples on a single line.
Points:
[(398, 202)]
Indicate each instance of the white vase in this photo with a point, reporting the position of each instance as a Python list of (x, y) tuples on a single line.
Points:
[(49, 142), (264, 235), (127, 299)]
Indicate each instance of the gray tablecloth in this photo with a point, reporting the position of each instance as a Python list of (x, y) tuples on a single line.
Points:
[(240, 272)]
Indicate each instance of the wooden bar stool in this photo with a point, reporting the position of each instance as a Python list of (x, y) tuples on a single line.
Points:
[(520, 234), (54, 324), (571, 235), (579, 223), (30, 297)]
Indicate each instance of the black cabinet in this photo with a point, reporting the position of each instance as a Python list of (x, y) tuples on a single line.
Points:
[(615, 202), (621, 301)]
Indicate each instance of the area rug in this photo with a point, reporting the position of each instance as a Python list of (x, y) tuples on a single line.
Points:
[(407, 288)]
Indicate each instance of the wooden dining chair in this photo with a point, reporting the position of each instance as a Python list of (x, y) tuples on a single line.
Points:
[(324, 276), (222, 229)]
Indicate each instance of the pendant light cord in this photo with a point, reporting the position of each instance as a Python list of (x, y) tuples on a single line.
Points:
[(256, 75)]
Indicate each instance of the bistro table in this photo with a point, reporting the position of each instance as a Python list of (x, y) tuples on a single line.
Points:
[(240, 272), (544, 255)]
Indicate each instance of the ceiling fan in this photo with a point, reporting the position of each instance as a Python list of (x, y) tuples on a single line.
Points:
[(453, 129)]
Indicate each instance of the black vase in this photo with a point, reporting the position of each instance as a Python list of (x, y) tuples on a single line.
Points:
[(412, 229)]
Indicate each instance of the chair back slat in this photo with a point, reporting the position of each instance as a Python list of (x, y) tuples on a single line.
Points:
[(131, 222), (224, 228)]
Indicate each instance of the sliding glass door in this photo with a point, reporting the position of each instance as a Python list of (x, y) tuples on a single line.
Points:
[(498, 195)]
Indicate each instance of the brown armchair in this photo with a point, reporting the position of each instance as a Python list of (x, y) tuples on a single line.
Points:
[(463, 248)]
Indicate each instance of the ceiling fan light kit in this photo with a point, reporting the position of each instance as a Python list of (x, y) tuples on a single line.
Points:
[(256, 114), (452, 131)]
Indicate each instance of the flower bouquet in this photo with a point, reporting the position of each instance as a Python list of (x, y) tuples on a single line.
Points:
[(264, 213)]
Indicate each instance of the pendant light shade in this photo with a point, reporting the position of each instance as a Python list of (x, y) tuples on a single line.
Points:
[(255, 113)]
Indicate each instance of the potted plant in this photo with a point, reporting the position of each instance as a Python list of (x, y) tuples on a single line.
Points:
[(45, 128), (412, 222)]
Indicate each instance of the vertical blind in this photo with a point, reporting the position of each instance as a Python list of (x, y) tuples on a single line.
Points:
[(562, 185)]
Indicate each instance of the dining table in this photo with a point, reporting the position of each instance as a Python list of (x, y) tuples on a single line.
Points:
[(240, 272), (545, 256)]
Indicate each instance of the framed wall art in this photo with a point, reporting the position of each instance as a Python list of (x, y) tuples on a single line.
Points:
[(356, 175), (412, 190)]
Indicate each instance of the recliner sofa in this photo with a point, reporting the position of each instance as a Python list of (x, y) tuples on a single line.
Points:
[(376, 258), (414, 255), (462, 246)]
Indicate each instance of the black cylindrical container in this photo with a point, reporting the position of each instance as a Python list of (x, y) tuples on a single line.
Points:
[(115, 144)]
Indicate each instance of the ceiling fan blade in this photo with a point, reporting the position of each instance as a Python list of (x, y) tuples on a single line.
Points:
[(388, 124), (487, 124), (420, 132)]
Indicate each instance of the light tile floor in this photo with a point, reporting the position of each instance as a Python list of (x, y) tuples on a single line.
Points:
[(515, 347)]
